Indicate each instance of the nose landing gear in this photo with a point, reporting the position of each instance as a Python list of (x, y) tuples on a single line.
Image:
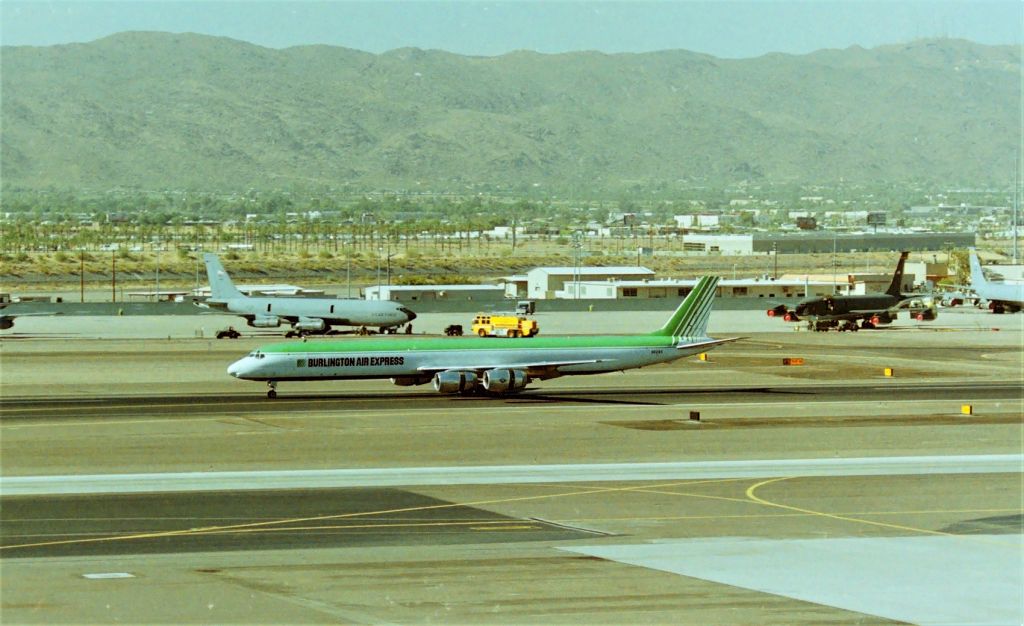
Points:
[(271, 389)]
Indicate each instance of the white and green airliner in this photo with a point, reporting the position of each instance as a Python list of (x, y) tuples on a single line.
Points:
[(492, 365)]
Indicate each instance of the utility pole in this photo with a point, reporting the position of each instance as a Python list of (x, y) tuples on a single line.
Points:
[(81, 274)]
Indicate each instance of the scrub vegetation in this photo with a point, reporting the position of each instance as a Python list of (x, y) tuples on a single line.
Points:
[(161, 111)]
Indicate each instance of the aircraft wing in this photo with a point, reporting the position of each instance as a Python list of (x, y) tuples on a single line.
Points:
[(7, 319)]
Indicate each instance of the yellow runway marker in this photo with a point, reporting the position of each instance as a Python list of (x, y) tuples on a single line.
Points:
[(492, 528)]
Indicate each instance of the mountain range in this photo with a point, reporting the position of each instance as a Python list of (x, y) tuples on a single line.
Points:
[(156, 111)]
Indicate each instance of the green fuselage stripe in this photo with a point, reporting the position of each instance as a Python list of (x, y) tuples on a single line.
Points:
[(462, 344)]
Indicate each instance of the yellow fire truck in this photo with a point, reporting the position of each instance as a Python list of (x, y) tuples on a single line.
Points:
[(512, 326)]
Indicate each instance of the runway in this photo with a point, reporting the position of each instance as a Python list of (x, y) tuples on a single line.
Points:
[(142, 485)]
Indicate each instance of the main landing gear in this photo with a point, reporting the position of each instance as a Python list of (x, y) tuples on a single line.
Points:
[(271, 389)]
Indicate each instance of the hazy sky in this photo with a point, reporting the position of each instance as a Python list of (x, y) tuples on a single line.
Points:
[(719, 27)]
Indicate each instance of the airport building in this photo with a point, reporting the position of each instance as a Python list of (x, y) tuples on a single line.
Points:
[(542, 283), (679, 288), (265, 290), (596, 283), (821, 242), (435, 293)]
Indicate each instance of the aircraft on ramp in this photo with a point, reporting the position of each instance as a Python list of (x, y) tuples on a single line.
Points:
[(305, 315), (872, 309), (480, 364), (1002, 297)]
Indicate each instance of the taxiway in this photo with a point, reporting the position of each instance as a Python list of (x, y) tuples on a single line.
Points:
[(140, 484)]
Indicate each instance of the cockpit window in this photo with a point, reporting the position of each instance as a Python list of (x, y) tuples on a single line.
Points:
[(256, 354)]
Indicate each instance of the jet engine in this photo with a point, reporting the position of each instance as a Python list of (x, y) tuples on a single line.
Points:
[(778, 311), (790, 316), (265, 321), (309, 324), (503, 380), (883, 318), (926, 315), (454, 381), (409, 381)]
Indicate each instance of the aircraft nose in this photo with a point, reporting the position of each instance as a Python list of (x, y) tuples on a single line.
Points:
[(408, 312), (236, 368)]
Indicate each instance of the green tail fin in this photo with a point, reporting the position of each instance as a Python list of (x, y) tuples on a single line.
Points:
[(691, 318)]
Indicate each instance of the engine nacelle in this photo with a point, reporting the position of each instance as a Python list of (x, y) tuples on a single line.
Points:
[(453, 381), (6, 322), (409, 381), (883, 318), (790, 316), (503, 380), (926, 315), (265, 321), (778, 311), (311, 324)]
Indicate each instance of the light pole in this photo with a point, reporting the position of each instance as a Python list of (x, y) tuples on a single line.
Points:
[(833, 263), (113, 276), (390, 254), (158, 270)]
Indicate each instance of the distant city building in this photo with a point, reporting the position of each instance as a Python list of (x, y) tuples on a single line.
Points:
[(704, 222)]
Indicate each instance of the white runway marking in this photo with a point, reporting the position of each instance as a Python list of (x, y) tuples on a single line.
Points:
[(921, 580), (507, 474)]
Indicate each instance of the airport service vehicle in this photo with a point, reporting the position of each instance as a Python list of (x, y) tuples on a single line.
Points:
[(486, 325), (493, 366), (228, 333), (872, 309), (306, 316), (1001, 297)]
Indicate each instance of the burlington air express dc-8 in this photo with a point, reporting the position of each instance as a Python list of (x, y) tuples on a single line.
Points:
[(472, 364)]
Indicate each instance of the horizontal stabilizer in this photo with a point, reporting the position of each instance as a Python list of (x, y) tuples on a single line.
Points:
[(684, 345)]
